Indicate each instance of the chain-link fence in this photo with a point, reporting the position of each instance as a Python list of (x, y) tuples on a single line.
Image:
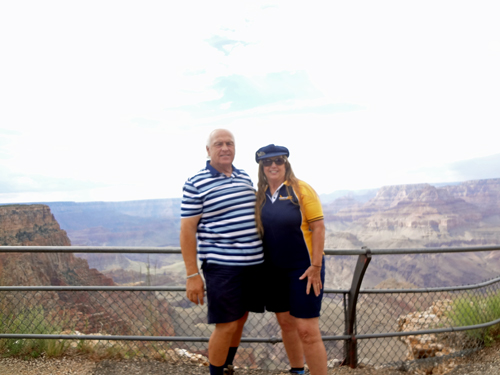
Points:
[(370, 326)]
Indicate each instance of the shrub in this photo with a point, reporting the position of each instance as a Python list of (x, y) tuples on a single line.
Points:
[(468, 311), (31, 321)]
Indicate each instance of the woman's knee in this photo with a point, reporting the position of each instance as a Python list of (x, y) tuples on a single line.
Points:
[(309, 332)]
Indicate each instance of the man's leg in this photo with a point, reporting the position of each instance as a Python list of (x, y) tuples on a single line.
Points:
[(235, 341), (224, 336), (314, 349)]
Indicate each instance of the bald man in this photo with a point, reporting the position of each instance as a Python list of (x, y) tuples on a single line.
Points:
[(218, 225)]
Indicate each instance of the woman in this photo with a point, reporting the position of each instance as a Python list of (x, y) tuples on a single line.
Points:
[(290, 221)]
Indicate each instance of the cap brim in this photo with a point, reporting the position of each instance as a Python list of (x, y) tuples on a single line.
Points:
[(270, 155)]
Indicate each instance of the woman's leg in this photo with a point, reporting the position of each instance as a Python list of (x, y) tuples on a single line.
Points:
[(312, 343), (291, 339)]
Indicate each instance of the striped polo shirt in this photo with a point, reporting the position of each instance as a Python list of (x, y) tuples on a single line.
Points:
[(226, 231)]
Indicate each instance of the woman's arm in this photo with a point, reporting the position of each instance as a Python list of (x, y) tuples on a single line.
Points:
[(313, 273)]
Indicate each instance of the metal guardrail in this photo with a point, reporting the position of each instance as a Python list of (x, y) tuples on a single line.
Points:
[(350, 304)]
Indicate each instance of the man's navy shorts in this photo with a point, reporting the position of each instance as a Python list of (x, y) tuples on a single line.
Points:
[(285, 292), (232, 291)]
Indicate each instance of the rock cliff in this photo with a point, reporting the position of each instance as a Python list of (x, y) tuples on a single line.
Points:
[(25, 225), (34, 225), (87, 312)]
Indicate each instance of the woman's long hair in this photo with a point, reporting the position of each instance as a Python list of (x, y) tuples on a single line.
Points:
[(262, 185)]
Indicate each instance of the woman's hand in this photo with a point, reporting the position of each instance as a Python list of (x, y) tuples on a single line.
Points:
[(313, 275)]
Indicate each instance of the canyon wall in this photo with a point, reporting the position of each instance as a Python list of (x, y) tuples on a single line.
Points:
[(87, 312), (416, 216)]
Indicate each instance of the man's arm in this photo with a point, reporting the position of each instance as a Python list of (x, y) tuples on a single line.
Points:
[(195, 288)]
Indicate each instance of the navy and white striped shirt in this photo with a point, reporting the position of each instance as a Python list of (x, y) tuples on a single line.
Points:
[(226, 231)]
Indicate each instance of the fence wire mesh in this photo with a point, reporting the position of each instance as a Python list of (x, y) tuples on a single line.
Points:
[(409, 312), (146, 313), (169, 314)]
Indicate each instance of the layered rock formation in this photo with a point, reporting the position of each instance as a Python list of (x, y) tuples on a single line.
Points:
[(421, 215), (34, 225), (22, 225)]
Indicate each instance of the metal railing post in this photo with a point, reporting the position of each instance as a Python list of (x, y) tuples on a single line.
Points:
[(351, 345)]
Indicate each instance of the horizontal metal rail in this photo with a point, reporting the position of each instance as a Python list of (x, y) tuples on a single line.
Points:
[(267, 340), (433, 250), (428, 331), (177, 250), (91, 249), (115, 289), (432, 290), (183, 289), (94, 288), (272, 340)]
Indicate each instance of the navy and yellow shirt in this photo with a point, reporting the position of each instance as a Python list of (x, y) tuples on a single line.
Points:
[(287, 237)]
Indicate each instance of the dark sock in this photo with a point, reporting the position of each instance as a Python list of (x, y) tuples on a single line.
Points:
[(297, 370), (230, 355), (216, 370)]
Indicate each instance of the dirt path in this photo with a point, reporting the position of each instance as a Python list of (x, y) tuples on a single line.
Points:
[(484, 362)]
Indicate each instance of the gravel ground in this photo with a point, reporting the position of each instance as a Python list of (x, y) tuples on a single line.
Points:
[(484, 362)]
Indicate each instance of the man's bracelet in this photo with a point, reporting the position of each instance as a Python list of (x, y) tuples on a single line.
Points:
[(315, 266), (193, 275)]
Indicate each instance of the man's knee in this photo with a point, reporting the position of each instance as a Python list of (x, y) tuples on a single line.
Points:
[(241, 321), (287, 322), (230, 327)]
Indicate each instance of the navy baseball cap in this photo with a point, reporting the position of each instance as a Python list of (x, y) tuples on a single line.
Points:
[(269, 151)]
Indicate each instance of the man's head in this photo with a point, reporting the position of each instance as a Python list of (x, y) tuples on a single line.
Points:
[(221, 149)]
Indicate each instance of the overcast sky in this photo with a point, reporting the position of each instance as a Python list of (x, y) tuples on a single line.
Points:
[(114, 100)]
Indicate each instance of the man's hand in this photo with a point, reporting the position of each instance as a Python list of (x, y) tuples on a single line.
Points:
[(195, 289)]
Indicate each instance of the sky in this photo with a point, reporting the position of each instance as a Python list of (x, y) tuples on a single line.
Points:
[(114, 100)]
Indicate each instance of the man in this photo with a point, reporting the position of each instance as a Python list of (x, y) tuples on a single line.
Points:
[(218, 209)]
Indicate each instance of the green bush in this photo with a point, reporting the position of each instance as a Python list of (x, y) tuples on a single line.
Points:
[(32, 321), (467, 311)]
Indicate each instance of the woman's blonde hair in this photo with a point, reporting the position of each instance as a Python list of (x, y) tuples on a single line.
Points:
[(262, 185)]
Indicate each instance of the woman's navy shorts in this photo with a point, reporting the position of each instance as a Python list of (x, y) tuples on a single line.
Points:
[(232, 291), (285, 292)]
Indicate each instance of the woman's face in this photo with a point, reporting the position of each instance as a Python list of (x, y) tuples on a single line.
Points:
[(274, 169)]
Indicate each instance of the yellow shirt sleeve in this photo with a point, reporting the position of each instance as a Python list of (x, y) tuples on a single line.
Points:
[(310, 202)]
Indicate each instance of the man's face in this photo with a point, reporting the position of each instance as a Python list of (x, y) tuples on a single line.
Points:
[(221, 150)]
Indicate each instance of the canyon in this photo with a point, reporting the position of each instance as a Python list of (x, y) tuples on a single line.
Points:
[(391, 217), (402, 216)]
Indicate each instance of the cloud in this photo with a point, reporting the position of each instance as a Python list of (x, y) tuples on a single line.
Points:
[(223, 44), (247, 92)]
